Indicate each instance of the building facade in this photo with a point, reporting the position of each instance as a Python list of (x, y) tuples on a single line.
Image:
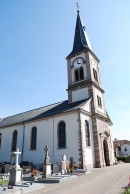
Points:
[(121, 147), (78, 127)]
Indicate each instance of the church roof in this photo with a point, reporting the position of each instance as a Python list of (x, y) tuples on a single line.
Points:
[(43, 112), (81, 41)]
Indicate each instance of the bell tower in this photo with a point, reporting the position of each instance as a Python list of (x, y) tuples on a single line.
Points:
[(84, 83), (83, 67)]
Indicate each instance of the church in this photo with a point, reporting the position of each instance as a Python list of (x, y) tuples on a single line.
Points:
[(78, 127)]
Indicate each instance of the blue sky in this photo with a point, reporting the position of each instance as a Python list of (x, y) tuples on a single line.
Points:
[(37, 35)]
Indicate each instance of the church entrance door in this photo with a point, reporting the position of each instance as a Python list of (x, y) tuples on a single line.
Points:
[(106, 153)]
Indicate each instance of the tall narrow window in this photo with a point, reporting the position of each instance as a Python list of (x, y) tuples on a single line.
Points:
[(76, 75), (14, 140), (95, 74), (87, 133), (61, 135), (99, 101), (79, 74), (0, 139), (33, 138)]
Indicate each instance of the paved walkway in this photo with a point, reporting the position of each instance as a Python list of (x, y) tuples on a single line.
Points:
[(107, 180)]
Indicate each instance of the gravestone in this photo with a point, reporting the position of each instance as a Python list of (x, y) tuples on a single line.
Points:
[(64, 164), (46, 164), (67, 165), (26, 166), (7, 167), (16, 171), (55, 168), (71, 164)]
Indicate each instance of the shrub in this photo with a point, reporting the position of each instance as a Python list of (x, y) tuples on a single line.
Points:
[(123, 158)]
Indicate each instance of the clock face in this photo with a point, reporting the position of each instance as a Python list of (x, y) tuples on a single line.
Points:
[(78, 62)]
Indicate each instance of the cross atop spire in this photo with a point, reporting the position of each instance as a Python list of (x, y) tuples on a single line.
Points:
[(77, 7)]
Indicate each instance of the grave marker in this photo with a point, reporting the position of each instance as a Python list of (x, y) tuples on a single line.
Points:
[(16, 171)]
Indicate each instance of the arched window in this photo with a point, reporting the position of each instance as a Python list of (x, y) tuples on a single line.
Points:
[(14, 140), (33, 138), (0, 139), (99, 101), (61, 135), (95, 74), (87, 133), (76, 75), (79, 74)]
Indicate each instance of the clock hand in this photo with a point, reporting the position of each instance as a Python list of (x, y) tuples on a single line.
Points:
[(78, 62)]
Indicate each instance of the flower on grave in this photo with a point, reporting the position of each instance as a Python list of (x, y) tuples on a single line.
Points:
[(129, 184), (35, 172)]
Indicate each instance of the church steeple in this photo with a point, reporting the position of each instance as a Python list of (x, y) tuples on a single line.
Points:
[(83, 66), (81, 41)]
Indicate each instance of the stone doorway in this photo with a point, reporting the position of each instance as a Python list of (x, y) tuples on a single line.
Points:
[(106, 153)]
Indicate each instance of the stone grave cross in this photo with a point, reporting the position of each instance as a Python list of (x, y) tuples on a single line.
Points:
[(16, 172), (47, 159), (46, 164), (16, 158)]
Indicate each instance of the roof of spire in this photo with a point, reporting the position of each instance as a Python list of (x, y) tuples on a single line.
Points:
[(81, 41)]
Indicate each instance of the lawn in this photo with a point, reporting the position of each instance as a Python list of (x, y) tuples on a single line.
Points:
[(3, 182), (127, 191)]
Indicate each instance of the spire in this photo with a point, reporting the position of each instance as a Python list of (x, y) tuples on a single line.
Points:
[(81, 41)]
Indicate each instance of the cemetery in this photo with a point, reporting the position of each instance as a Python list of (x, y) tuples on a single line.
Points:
[(15, 178)]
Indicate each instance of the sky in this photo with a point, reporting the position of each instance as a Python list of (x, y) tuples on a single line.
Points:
[(37, 35)]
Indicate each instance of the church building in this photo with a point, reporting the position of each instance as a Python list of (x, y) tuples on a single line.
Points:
[(78, 127)]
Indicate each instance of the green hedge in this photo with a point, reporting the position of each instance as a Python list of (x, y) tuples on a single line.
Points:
[(124, 159)]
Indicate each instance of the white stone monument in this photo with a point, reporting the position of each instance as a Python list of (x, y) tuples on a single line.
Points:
[(46, 164), (16, 172), (64, 164)]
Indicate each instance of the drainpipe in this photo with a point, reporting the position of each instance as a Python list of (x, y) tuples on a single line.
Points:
[(81, 146), (22, 153), (53, 138)]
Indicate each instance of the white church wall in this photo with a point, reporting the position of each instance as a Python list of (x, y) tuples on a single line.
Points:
[(47, 135), (80, 94), (87, 106), (72, 129), (44, 137), (89, 150), (7, 134)]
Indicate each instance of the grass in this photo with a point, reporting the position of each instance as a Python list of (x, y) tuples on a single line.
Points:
[(3, 182), (127, 191)]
